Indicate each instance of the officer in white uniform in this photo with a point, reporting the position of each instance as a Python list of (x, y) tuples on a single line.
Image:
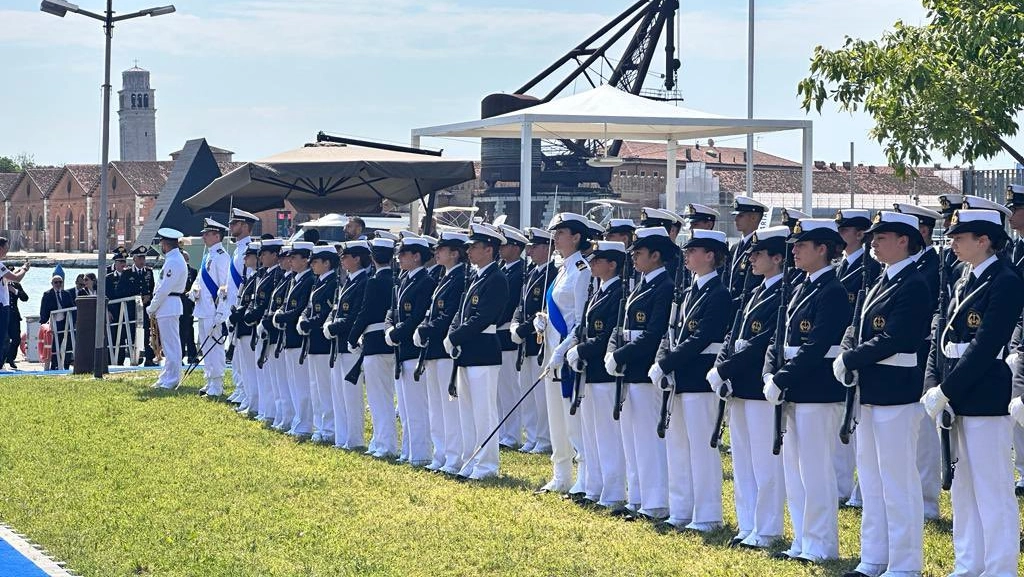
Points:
[(166, 305), (210, 293), (240, 226)]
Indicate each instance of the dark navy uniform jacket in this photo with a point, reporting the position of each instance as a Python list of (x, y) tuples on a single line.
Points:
[(602, 313), (738, 268), (481, 307), (744, 367), (414, 296), (377, 295), (706, 313), (246, 294), (514, 277), (265, 283), (851, 275), (531, 302), (646, 321), (277, 296), (122, 285), (444, 305), (895, 320), (294, 304), (818, 314), (321, 300), (347, 306), (982, 313), (928, 266)]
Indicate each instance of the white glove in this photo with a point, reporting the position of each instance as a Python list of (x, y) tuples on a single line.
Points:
[(1017, 410), (1011, 360), (263, 334), (723, 391), (572, 356), (448, 346), (299, 325), (356, 350), (387, 337), (714, 379), (839, 370), (276, 320), (150, 312), (515, 337), (611, 366), (657, 376), (326, 330), (934, 400), (771, 391), (540, 322), (218, 318), (416, 340)]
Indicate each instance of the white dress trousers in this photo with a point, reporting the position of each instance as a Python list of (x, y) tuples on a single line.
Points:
[(644, 408), (607, 466), (170, 341), (508, 395), (633, 493), (265, 380), (986, 523), (758, 485), (812, 432), (478, 415), (379, 374), (282, 393), (349, 409), (322, 401), (694, 468), (535, 408), (929, 464), (844, 461), (300, 387), (244, 363), (213, 361), (445, 428), (413, 407), (892, 521)]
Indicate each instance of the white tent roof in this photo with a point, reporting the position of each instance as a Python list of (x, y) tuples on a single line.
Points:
[(606, 111)]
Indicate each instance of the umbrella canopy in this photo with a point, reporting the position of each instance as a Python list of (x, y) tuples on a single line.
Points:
[(331, 177)]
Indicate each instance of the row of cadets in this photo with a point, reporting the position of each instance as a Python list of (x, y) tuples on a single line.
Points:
[(210, 293), (686, 354), (240, 225), (317, 348), (443, 417), (415, 289), (645, 322), (790, 218), (927, 263), (564, 302), (758, 484), (284, 410), (853, 224), (347, 397), (513, 266), (816, 318), (883, 364), (243, 361), (948, 204), (267, 278), (1015, 253), (747, 214), (472, 342), (673, 224), (165, 306), (986, 304), (534, 411), (285, 319), (366, 337)]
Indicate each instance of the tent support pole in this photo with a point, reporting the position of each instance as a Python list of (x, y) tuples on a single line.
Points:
[(808, 164), (428, 221), (670, 176), (414, 208), (526, 175)]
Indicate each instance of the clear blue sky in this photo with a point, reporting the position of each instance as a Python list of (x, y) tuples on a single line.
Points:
[(260, 76)]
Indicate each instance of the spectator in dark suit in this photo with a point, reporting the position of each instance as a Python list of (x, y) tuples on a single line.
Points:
[(186, 321), (53, 300), (14, 323)]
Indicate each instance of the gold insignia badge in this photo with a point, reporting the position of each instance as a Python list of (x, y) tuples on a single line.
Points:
[(755, 327), (598, 325), (344, 306), (474, 300), (878, 323), (440, 303), (955, 219), (407, 307), (839, 214), (692, 325), (785, 215), (1009, 194), (878, 217), (798, 229), (753, 238), (805, 326), (316, 308), (743, 265), (536, 291), (643, 215), (295, 303), (641, 316), (973, 320), (690, 210), (852, 297), (944, 203)]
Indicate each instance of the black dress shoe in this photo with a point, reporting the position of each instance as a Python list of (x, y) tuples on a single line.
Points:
[(783, 556), (735, 542), (1017, 490), (854, 574), (15, 367)]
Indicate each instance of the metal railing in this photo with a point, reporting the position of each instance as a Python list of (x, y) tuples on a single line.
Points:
[(65, 337), (123, 326)]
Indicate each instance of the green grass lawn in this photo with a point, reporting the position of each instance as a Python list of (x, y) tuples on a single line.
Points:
[(117, 479)]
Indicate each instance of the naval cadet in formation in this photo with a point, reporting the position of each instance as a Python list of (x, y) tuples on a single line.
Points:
[(240, 225), (265, 281), (747, 215), (284, 409), (316, 348), (165, 306), (514, 268), (210, 293), (243, 360), (285, 319)]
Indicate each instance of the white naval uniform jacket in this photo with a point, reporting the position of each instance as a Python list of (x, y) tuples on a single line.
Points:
[(172, 278), (569, 293), (238, 263), (209, 305)]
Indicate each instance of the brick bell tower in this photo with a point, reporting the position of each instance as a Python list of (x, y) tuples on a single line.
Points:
[(137, 113)]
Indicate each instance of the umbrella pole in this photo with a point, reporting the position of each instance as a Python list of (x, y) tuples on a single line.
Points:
[(428, 220)]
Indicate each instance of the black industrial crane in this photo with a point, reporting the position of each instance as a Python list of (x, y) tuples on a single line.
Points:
[(563, 162)]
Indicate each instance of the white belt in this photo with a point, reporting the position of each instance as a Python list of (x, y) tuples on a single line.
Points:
[(900, 360), (956, 350), (742, 344), (505, 327), (630, 336), (833, 352), (375, 327), (712, 349), (490, 330)]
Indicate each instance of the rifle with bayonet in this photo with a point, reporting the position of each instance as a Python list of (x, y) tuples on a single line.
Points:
[(946, 420), (581, 334), (849, 379), (730, 350), (781, 326), (619, 337), (675, 316)]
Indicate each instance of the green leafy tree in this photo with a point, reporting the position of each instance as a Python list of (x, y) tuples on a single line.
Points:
[(953, 85), (8, 164)]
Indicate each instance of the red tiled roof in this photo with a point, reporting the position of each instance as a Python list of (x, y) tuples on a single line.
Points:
[(226, 167), (8, 182), (721, 155), (87, 175), (147, 178), (881, 181), (45, 178)]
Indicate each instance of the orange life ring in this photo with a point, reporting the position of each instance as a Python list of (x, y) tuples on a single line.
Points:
[(45, 343), (24, 344)]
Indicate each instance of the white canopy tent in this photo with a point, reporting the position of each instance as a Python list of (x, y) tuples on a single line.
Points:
[(607, 112)]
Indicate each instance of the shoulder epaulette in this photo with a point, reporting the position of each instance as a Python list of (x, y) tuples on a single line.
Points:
[(582, 264)]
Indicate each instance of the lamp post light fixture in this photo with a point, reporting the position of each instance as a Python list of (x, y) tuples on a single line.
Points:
[(60, 8)]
